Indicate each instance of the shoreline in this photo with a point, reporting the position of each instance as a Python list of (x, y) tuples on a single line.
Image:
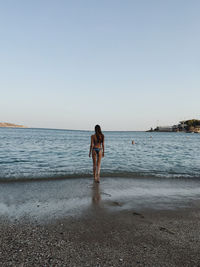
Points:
[(39, 199), (123, 175)]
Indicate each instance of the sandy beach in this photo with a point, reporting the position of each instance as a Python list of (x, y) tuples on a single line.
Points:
[(98, 226)]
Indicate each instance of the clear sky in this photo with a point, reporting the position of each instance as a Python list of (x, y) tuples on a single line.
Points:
[(126, 65)]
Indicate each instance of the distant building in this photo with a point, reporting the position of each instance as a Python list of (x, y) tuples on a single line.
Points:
[(175, 128), (164, 129), (182, 125)]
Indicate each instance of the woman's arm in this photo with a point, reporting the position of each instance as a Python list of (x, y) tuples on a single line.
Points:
[(103, 147), (91, 146)]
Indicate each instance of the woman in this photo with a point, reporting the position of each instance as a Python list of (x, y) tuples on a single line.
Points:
[(97, 151)]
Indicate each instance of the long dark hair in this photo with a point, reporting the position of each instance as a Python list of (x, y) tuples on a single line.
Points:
[(98, 133)]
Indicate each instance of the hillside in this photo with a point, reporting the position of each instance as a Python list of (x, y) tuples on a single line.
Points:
[(188, 126), (11, 125)]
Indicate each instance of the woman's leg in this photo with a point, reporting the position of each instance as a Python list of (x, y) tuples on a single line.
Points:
[(94, 158), (99, 165)]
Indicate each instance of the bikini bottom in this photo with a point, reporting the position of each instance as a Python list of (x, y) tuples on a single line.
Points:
[(96, 149)]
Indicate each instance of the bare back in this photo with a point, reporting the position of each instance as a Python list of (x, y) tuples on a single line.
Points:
[(95, 141)]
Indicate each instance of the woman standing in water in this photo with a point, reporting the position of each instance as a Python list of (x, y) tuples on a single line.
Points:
[(97, 151)]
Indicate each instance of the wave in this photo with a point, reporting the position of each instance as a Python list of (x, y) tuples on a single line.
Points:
[(130, 175)]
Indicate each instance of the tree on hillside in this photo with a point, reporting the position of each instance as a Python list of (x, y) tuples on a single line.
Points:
[(191, 124)]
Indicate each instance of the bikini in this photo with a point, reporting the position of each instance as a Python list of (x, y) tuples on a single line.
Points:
[(96, 149)]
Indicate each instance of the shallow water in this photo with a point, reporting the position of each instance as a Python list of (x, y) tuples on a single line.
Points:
[(48, 200), (46, 153)]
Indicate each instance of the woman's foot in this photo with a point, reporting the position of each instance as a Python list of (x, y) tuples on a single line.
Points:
[(98, 179), (95, 178), (98, 176)]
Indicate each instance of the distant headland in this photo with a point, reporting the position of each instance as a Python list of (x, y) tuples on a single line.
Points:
[(187, 126), (11, 125)]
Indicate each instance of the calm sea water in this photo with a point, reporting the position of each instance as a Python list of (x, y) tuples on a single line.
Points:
[(45, 153)]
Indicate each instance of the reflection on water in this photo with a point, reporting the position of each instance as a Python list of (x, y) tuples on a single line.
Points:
[(96, 196)]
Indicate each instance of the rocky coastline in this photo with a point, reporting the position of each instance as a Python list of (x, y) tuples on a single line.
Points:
[(187, 126)]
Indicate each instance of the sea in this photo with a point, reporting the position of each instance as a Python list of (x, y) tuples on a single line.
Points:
[(28, 154)]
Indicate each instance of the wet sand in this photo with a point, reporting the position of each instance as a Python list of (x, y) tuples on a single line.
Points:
[(98, 225)]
